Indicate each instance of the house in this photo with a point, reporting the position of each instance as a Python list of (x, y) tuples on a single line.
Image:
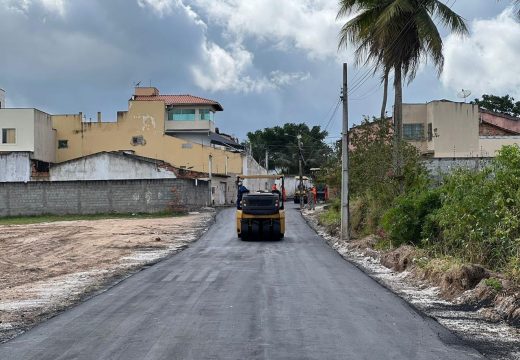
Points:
[(27, 144), (446, 129), (177, 129)]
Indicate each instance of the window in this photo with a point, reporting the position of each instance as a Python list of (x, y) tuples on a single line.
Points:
[(206, 114), (8, 136), (138, 140), (430, 132), (187, 146), (181, 115), (63, 144), (413, 131)]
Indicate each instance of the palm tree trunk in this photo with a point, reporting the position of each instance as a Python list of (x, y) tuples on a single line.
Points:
[(385, 94), (398, 125)]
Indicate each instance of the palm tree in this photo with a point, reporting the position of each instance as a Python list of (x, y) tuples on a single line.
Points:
[(360, 30), (398, 35)]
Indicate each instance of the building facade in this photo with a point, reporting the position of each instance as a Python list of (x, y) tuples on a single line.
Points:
[(446, 129), (154, 126)]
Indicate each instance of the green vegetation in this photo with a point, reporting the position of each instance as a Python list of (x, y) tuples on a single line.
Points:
[(22, 220), (281, 144), (494, 283), (502, 104), (472, 216)]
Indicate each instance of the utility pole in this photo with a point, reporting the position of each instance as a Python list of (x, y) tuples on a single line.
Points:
[(267, 160), (210, 173), (345, 213), (300, 170)]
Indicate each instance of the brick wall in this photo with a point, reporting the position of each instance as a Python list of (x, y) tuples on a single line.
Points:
[(90, 197)]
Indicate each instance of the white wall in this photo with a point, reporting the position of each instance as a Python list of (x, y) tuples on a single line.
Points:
[(23, 121), (15, 167), (251, 167), (107, 167)]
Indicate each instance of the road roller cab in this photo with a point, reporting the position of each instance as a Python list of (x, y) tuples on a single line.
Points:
[(260, 214)]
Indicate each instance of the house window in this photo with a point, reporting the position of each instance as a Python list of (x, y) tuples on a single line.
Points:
[(430, 132), (187, 146), (63, 144), (413, 132), (8, 136), (181, 115), (206, 114), (138, 140)]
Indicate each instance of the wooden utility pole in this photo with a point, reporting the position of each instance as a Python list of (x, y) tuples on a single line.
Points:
[(345, 213)]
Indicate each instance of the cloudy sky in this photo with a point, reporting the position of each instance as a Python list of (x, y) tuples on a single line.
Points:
[(266, 61)]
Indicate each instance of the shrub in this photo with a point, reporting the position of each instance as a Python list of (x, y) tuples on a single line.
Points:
[(404, 222)]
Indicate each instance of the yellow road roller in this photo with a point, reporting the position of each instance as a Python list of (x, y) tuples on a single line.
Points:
[(260, 214)]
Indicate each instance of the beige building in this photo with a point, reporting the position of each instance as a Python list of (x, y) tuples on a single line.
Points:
[(445, 129), (178, 129)]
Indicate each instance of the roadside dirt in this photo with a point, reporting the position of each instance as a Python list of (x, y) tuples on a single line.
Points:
[(457, 297), (45, 268)]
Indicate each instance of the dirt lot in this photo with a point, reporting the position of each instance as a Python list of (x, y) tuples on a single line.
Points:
[(44, 268)]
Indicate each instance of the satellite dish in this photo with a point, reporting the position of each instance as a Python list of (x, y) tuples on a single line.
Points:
[(464, 94)]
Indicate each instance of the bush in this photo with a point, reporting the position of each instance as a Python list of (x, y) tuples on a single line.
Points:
[(404, 222)]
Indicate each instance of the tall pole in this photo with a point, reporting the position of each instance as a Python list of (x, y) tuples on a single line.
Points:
[(267, 160), (300, 168), (345, 213), (210, 173)]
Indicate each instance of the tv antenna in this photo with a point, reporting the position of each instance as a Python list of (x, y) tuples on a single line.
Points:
[(464, 94), (137, 84)]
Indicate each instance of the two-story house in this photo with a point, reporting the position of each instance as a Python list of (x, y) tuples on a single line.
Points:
[(446, 129), (27, 144)]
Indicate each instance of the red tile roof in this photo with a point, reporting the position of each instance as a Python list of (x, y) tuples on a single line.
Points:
[(181, 100)]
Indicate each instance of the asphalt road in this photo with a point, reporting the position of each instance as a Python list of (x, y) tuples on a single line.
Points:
[(227, 299)]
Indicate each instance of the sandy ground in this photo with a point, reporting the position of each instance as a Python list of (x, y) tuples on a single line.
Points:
[(45, 268), (497, 341)]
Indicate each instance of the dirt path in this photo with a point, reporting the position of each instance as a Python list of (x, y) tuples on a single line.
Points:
[(47, 267)]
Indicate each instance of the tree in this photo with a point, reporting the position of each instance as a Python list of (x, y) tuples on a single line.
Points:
[(502, 104), (360, 30), (281, 143), (398, 35)]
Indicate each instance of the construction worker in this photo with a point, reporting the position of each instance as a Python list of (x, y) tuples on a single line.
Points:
[(315, 194)]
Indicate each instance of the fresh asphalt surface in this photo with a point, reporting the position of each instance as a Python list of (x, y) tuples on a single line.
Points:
[(227, 299)]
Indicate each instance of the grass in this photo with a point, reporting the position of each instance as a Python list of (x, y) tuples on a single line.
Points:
[(22, 220), (494, 283)]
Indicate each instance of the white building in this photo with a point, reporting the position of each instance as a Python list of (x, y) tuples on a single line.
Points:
[(27, 144)]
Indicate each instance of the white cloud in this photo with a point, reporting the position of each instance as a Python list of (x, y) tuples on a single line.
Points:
[(166, 7), (223, 70), (308, 25), (53, 6), (488, 60)]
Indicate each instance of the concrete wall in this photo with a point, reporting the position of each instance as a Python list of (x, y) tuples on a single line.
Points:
[(489, 145), (442, 166), (15, 166), (90, 197), (252, 167), (23, 121), (44, 138), (107, 167)]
